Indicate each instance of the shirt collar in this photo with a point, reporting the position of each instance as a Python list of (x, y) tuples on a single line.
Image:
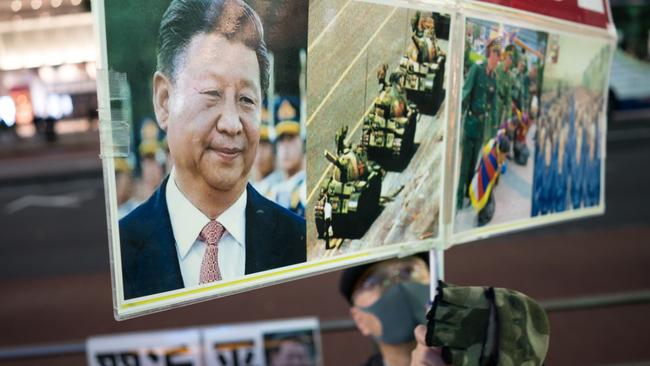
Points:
[(188, 221)]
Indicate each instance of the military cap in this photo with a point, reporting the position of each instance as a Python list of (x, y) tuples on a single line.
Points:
[(287, 128), (122, 165), (149, 130), (265, 133), (494, 43), (487, 326), (149, 148)]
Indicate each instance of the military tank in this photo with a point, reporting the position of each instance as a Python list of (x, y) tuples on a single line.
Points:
[(423, 66), (388, 133), (349, 199)]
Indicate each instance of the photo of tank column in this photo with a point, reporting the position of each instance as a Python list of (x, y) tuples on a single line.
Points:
[(375, 125), (503, 71), (569, 137)]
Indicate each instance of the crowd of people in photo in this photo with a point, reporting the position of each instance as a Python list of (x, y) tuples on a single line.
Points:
[(567, 151)]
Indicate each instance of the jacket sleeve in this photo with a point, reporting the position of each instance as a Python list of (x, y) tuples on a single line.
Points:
[(468, 86)]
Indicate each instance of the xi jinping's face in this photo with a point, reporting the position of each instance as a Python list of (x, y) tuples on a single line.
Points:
[(211, 112)]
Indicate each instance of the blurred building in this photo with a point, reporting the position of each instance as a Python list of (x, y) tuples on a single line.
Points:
[(47, 66)]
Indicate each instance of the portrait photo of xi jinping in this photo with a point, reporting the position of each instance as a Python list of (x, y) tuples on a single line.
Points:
[(211, 71)]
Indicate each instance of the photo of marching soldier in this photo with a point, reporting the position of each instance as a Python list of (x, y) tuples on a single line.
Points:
[(375, 125), (503, 72), (568, 141)]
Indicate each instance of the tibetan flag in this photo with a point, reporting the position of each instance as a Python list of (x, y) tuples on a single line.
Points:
[(485, 175), (523, 126)]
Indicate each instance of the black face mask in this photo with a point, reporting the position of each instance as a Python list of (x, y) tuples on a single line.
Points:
[(400, 309)]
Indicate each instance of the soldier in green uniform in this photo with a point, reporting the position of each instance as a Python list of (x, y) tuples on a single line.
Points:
[(518, 74), (468, 47), (479, 98), (504, 92), (525, 83)]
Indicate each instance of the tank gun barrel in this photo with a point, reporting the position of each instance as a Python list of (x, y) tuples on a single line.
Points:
[(333, 159)]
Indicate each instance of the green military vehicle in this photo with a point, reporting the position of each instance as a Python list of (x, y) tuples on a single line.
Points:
[(349, 199), (423, 66), (388, 133)]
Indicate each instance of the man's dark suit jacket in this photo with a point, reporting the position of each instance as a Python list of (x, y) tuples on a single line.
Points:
[(275, 237)]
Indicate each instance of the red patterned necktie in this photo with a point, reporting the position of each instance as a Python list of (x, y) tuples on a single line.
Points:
[(211, 233)]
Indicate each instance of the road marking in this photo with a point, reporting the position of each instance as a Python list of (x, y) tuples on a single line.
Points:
[(324, 31), (347, 141), (347, 70), (59, 201)]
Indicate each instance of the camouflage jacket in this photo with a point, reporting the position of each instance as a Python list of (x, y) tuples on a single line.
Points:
[(487, 326)]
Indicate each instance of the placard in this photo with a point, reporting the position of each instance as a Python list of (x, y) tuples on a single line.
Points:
[(382, 118), (272, 343), (530, 146), (164, 348), (199, 98), (271, 140)]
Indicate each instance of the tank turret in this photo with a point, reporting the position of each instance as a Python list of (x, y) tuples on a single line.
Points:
[(388, 133), (423, 66), (349, 199)]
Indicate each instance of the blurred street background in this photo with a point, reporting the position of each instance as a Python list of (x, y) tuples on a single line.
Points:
[(54, 268)]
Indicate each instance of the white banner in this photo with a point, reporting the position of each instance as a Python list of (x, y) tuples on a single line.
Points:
[(272, 343)]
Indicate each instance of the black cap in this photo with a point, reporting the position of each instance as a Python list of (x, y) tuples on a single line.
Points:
[(350, 276)]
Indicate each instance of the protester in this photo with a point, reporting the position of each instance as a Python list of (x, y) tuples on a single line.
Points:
[(465, 325), (387, 301)]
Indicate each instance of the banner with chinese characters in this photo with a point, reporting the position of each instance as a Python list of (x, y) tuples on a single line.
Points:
[(271, 343)]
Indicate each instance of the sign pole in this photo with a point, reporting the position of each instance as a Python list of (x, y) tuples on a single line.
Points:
[(436, 270)]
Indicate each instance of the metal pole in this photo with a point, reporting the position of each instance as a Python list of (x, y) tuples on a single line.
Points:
[(597, 301), (436, 270)]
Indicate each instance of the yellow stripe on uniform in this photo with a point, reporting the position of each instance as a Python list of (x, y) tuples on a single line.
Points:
[(329, 166)]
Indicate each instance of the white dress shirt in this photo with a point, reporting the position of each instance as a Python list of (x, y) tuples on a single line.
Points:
[(188, 221)]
